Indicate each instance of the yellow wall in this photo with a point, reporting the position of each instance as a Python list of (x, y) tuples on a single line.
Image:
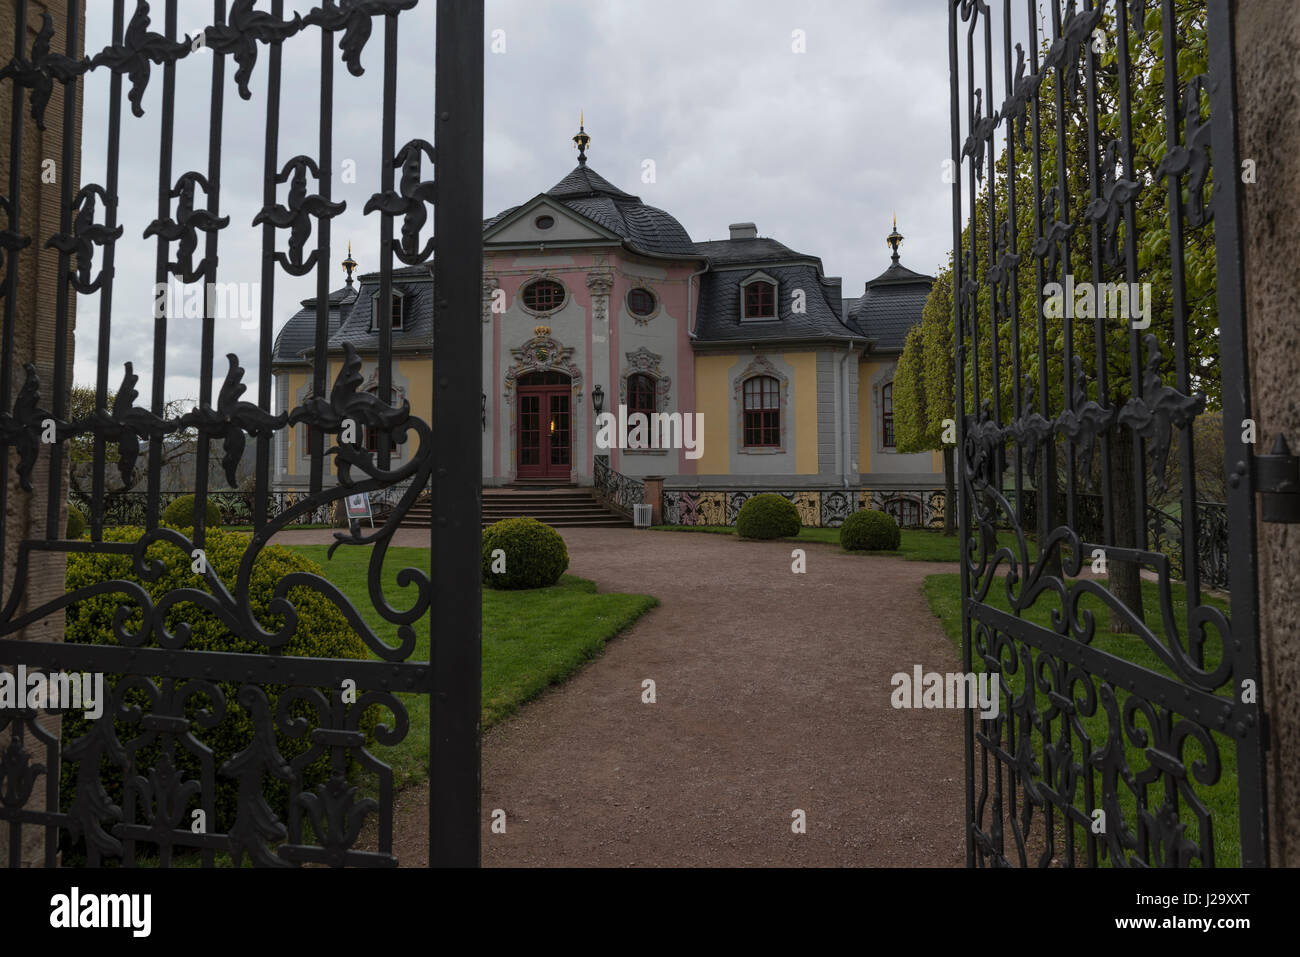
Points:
[(866, 409), (805, 404), (713, 399)]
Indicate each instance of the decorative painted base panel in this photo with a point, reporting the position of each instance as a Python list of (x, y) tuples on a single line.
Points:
[(912, 508)]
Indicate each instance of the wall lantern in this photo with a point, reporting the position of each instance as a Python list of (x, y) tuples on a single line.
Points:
[(482, 408), (598, 399)]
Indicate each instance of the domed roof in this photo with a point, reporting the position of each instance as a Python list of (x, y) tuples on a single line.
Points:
[(644, 227)]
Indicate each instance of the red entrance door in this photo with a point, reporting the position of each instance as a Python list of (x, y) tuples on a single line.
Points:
[(544, 426)]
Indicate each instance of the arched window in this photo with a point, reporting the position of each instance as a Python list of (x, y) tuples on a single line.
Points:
[(762, 426), (544, 295), (640, 395), (887, 415), (760, 300)]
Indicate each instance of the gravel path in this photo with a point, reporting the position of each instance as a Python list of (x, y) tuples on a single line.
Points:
[(773, 694)]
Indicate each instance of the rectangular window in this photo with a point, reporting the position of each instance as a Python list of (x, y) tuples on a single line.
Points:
[(762, 425), (887, 416)]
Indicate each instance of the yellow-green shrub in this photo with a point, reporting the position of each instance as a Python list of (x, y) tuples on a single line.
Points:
[(322, 632)]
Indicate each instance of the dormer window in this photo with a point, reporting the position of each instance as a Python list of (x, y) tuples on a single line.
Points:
[(758, 298), (399, 312)]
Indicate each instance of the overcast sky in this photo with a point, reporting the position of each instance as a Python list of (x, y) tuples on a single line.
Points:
[(818, 148)]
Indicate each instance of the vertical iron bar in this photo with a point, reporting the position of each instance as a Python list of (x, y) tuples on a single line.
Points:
[(389, 148), (1063, 210), (1235, 371), (104, 344), (161, 271), (1191, 571), (320, 354), (959, 351), (1013, 246), (1130, 263), (54, 495), (270, 170), (455, 648), (208, 332)]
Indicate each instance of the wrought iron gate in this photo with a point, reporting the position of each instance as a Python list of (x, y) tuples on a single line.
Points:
[(1130, 729), (133, 797)]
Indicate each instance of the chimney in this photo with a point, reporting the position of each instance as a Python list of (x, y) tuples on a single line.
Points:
[(744, 231)]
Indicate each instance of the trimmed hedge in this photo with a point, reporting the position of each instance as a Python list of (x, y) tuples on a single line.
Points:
[(322, 632), (76, 521), (870, 531), (768, 516), (535, 554), (180, 513)]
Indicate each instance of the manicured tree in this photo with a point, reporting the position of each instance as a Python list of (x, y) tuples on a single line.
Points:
[(1063, 194), (923, 388)]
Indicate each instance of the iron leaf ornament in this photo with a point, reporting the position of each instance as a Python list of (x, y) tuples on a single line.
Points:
[(353, 18), (408, 201), (185, 228), (42, 70), (232, 419), (22, 428), (295, 217), (1158, 411), (86, 235), (140, 47), (240, 37)]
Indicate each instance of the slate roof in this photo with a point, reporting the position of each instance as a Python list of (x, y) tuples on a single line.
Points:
[(644, 228), (299, 333), (735, 260), (890, 305), (417, 328)]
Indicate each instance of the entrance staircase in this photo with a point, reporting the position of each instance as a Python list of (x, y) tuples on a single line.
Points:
[(560, 506)]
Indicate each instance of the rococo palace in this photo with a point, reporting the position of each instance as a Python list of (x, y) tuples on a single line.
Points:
[(599, 308)]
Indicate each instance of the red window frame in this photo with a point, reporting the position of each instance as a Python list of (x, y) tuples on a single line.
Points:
[(887, 416), (543, 295), (641, 395), (760, 300), (762, 412)]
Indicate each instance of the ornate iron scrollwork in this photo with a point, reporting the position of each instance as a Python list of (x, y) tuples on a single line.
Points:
[(184, 229), (295, 216), (86, 235), (408, 201), (140, 47)]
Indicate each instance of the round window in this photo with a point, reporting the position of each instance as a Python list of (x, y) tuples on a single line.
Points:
[(544, 295), (641, 302), (544, 222)]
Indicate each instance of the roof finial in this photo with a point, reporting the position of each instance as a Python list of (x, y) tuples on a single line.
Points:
[(894, 240), (583, 141), (349, 264)]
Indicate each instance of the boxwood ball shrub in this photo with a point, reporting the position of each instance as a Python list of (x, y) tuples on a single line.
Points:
[(76, 521), (180, 513), (768, 516), (322, 632), (870, 531), (535, 554)]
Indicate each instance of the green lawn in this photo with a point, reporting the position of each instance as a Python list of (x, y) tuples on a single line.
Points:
[(917, 545), (531, 639), (944, 595)]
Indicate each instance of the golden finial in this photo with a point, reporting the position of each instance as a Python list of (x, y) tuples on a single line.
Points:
[(349, 264), (583, 141), (894, 240)]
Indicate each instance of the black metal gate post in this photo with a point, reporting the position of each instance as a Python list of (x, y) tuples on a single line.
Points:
[(301, 728), (455, 646), (1108, 150)]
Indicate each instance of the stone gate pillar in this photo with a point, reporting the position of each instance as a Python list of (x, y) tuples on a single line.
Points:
[(39, 202), (1267, 44)]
